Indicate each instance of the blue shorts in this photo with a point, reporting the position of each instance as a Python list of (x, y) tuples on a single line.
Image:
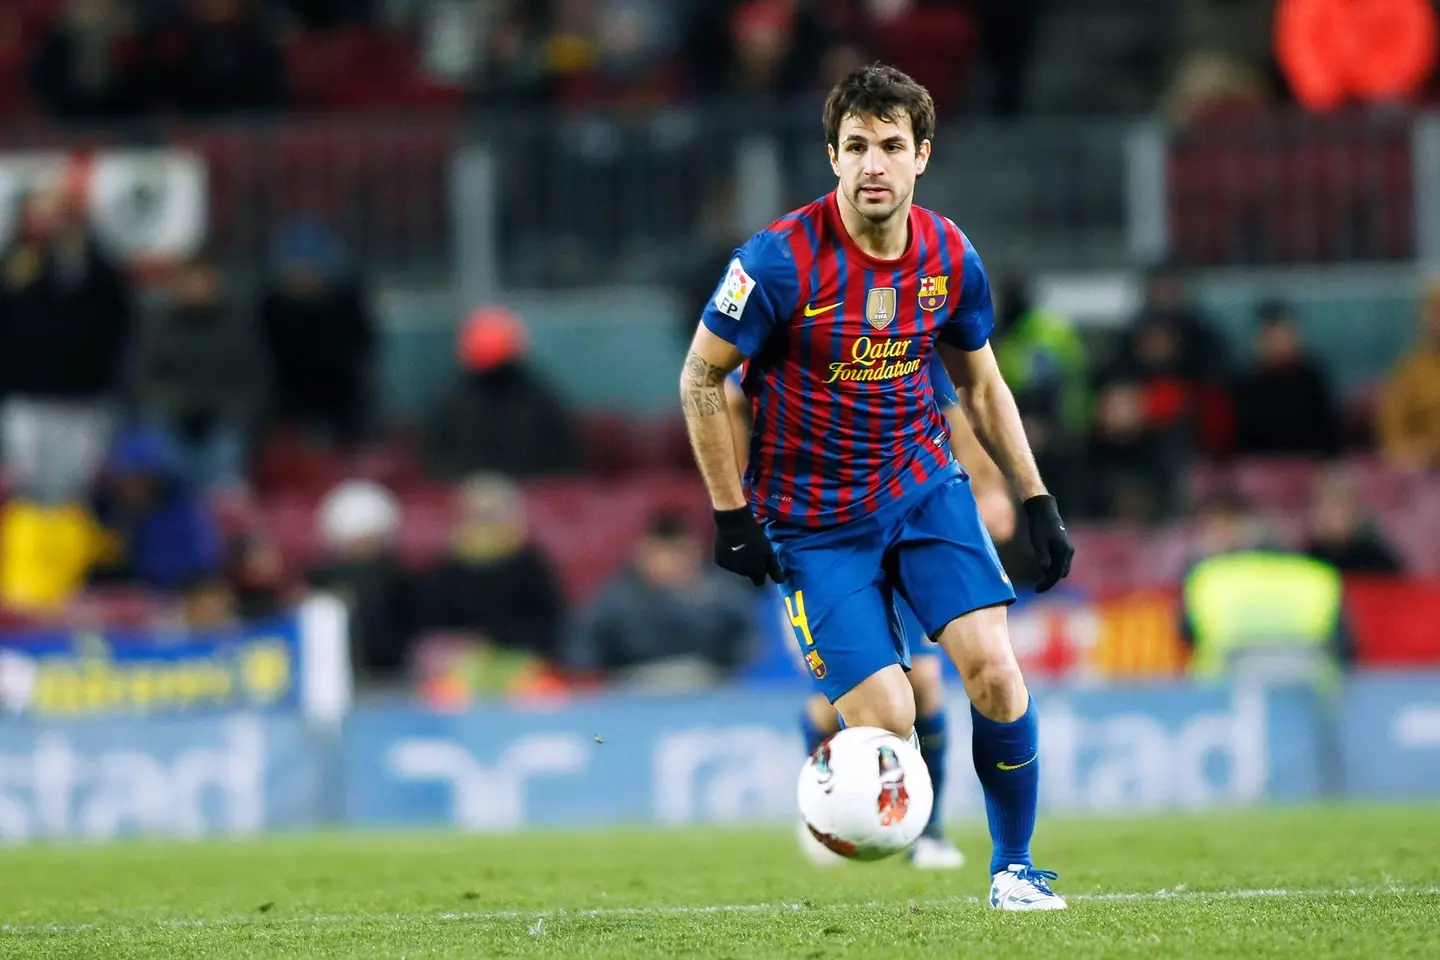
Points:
[(929, 550)]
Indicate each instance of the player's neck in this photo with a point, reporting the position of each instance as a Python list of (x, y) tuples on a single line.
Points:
[(887, 240)]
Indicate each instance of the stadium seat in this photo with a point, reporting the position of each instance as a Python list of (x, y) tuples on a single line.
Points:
[(1275, 482)]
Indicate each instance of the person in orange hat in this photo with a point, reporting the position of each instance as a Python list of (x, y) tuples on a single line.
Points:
[(499, 416)]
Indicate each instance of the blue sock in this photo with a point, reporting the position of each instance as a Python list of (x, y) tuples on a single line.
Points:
[(814, 736), (930, 728), (1010, 794)]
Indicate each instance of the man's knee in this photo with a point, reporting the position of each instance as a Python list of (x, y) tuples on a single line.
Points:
[(979, 645), (990, 668), (883, 699)]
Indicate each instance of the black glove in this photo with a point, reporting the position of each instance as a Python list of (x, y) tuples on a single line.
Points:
[(1052, 546), (741, 547)]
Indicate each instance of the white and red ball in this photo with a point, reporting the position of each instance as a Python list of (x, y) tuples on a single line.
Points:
[(865, 793)]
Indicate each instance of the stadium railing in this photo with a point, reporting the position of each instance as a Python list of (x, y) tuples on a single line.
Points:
[(580, 200)]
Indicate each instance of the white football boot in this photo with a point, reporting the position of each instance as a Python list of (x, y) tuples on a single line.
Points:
[(936, 853), (1019, 887)]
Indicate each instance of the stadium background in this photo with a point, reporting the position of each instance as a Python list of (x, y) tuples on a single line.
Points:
[(399, 295)]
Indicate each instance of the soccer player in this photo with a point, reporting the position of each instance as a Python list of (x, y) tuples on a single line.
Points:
[(850, 492), (818, 719)]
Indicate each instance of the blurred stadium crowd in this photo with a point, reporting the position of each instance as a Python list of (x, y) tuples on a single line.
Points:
[(180, 446), (129, 58)]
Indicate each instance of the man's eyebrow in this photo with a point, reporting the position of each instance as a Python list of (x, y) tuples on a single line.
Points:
[(893, 138)]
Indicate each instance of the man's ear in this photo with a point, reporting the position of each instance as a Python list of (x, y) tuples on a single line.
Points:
[(922, 158), (834, 158)]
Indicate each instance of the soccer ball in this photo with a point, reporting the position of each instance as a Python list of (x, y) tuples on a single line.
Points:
[(865, 793)]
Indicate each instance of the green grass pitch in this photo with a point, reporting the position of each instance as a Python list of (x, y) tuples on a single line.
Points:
[(1316, 882)]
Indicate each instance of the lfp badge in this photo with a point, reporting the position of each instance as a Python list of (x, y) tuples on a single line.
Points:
[(933, 291)]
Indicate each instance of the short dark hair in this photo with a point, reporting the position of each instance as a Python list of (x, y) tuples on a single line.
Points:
[(669, 525), (881, 92), (1272, 312)]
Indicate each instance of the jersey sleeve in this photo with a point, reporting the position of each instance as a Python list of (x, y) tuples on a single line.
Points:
[(940, 382), (973, 318), (758, 292)]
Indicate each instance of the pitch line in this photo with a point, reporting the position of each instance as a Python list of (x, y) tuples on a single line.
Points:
[(562, 913)]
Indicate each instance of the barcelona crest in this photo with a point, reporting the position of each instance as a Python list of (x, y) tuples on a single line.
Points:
[(933, 291)]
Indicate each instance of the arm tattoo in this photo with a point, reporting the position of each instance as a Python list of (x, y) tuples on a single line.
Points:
[(702, 395)]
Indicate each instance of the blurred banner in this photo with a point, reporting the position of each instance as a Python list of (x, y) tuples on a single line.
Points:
[(725, 757), (235, 774), (144, 204), (1390, 736), (292, 663), (1394, 623), (736, 757)]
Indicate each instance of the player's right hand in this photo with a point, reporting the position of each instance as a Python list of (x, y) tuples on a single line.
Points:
[(1049, 540), (741, 547)]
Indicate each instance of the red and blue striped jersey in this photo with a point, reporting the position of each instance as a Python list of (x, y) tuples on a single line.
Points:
[(840, 346)]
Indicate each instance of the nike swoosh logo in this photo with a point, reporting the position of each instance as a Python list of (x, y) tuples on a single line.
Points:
[(813, 311), (1006, 766), (741, 547)]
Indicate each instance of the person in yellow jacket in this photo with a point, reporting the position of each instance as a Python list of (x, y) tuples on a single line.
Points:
[(46, 552), (1245, 597), (1409, 412)]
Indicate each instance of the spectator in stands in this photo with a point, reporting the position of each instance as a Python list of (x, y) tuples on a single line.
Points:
[(933, 42), (64, 332), (495, 585), (1202, 354), (359, 522), (1173, 354), (91, 63), (159, 532), (1284, 403), (1225, 523), (1244, 599), (226, 59), (773, 47), (319, 336), (1213, 85), (511, 69), (1341, 534), (1409, 414), (199, 375), (255, 572), (669, 620), (1043, 360), (1133, 464), (500, 416)]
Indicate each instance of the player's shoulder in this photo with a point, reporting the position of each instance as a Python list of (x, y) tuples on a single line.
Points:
[(781, 250), (948, 231), (800, 229)]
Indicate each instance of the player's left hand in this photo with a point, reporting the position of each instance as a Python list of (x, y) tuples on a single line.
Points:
[(741, 547), (1052, 546)]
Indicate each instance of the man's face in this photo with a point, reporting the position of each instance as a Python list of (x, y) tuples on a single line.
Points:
[(669, 562), (1279, 344), (1165, 291), (137, 491), (877, 162)]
